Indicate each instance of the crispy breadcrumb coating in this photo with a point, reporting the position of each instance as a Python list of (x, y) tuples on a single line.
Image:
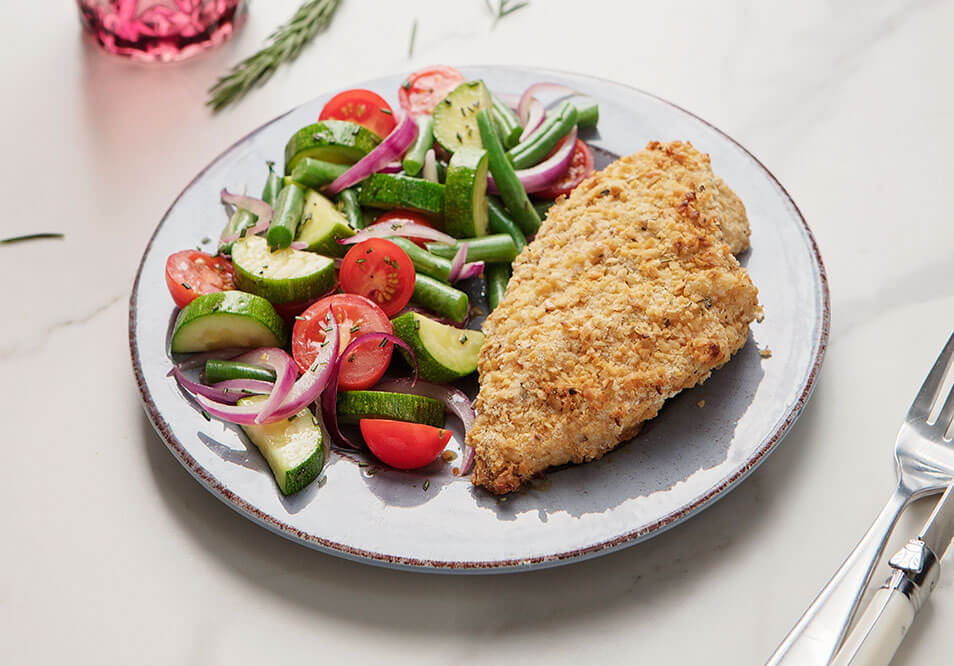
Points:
[(629, 294)]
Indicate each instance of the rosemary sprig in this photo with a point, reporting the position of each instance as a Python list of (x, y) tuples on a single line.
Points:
[(286, 42), (29, 237), (410, 48), (503, 8)]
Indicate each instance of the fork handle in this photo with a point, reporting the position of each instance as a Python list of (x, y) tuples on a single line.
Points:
[(819, 632)]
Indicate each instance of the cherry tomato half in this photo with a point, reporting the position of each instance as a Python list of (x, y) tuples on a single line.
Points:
[(363, 107), (380, 271), (581, 166), (355, 315), (402, 215), (191, 273), (422, 90), (403, 445)]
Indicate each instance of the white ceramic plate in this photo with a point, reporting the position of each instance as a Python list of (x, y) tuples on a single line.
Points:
[(683, 461)]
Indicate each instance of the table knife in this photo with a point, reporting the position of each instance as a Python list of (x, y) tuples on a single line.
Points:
[(886, 620)]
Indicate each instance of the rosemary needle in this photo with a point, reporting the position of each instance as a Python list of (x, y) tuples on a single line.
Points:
[(29, 237), (285, 44), (410, 48)]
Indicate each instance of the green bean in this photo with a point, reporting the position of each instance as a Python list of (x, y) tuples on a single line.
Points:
[(349, 206), (511, 189), (288, 210), (440, 298), (500, 223), (587, 111), (414, 159), (315, 173), (218, 371), (495, 247), (507, 123), (273, 185), (556, 126), (497, 277), (424, 261)]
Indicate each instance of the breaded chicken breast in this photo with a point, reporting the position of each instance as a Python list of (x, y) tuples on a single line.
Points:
[(629, 294)]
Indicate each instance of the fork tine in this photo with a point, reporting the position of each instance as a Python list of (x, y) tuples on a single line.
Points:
[(921, 407), (947, 412)]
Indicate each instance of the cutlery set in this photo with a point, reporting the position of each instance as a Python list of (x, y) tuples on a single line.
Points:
[(924, 455)]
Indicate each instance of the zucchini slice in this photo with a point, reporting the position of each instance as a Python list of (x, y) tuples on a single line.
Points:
[(337, 141), (385, 190), (227, 319), (444, 353), (294, 448), (465, 193), (455, 122), (323, 225), (356, 405), (283, 276)]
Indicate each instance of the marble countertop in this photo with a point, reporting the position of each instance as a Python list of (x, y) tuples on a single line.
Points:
[(109, 542)]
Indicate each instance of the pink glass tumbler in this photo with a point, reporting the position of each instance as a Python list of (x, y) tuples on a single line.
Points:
[(161, 30)]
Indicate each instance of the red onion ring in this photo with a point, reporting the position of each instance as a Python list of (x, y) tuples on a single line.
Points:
[(257, 207), (458, 262), (455, 402), (472, 269), (395, 227), (201, 389), (390, 167), (543, 175), (196, 360), (535, 118), (299, 245), (245, 386), (523, 106), (389, 150), (304, 392), (286, 372), (329, 407)]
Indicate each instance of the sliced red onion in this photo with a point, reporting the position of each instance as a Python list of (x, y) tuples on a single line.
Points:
[(543, 175), (429, 171), (389, 150), (329, 407), (535, 118), (523, 107), (471, 269), (286, 372), (246, 386), (255, 206), (458, 262), (396, 227), (299, 245), (455, 401), (201, 389), (304, 392), (391, 167)]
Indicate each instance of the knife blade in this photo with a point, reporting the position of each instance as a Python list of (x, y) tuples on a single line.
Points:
[(885, 622)]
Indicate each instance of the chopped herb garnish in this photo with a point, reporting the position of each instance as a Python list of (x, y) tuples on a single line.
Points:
[(186, 285), (27, 237), (354, 329), (410, 47), (383, 342), (708, 302), (459, 139), (406, 85), (362, 464), (386, 111), (371, 471), (417, 324), (360, 261), (292, 417), (300, 318), (206, 415), (427, 484), (462, 339), (205, 239), (369, 251), (351, 359)]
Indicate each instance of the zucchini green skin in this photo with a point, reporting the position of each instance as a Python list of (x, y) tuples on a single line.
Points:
[(356, 405), (440, 298), (465, 193), (497, 277), (315, 174), (500, 223), (454, 125), (322, 226), (337, 141), (534, 149), (506, 121), (220, 371), (222, 308), (444, 353), (414, 159), (350, 207), (273, 185), (587, 111), (511, 189), (288, 209), (493, 248), (385, 190), (424, 261)]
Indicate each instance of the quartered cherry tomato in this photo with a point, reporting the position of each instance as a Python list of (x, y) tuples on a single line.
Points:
[(401, 444), (422, 90), (191, 273)]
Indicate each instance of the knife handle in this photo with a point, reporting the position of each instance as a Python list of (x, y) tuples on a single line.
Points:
[(879, 631)]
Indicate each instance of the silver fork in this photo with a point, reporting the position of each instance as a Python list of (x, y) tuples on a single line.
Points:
[(925, 462)]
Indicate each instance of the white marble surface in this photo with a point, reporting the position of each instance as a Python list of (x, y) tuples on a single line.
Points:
[(111, 553)]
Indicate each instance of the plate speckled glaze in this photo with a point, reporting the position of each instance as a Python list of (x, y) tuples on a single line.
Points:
[(684, 460)]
